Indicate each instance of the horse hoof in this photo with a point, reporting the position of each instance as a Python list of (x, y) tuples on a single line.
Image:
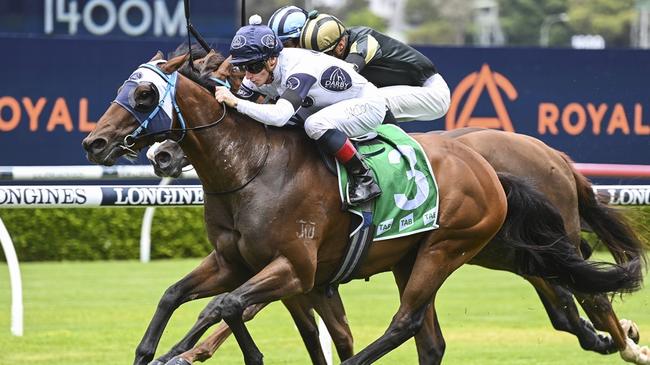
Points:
[(631, 330), (178, 361), (635, 354)]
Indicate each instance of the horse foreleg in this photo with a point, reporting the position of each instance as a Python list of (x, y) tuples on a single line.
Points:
[(331, 310), (300, 309), (207, 348), (333, 315), (275, 281), (197, 284)]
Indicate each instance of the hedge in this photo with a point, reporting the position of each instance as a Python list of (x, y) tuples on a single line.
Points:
[(104, 233), (114, 233)]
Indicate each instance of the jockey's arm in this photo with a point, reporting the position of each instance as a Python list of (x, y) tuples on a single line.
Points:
[(290, 101), (277, 114), (363, 51)]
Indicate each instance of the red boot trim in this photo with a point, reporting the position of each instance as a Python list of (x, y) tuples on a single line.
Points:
[(346, 152)]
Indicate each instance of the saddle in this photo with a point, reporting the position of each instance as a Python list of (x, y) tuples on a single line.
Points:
[(330, 162), (409, 203)]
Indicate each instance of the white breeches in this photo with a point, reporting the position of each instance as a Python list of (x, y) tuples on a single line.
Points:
[(354, 117), (427, 102)]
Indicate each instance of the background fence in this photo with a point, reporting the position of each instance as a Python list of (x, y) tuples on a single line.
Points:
[(84, 196)]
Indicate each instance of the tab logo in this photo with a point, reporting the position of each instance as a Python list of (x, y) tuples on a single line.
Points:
[(384, 226), (470, 89)]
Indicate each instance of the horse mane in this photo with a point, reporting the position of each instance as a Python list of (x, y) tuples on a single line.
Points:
[(194, 74)]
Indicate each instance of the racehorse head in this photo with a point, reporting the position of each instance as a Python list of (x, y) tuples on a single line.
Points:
[(213, 65), (168, 158), (144, 107)]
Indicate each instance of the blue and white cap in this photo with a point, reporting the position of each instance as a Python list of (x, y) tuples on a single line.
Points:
[(254, 42), (287, 22)]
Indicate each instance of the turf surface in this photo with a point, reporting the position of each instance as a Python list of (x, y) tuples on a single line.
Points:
[(96, 313)]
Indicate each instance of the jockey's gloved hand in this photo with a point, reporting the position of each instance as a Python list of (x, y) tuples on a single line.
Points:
[(224, 95)]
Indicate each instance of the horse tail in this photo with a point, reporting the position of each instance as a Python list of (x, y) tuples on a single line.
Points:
[(607, 223), (535, 230)]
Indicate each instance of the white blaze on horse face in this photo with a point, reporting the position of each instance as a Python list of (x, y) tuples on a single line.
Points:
[(307, 229), (151, 152)]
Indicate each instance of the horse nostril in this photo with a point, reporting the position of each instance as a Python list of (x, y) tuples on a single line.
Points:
[(94, 146), (98, 145), (163, 158)]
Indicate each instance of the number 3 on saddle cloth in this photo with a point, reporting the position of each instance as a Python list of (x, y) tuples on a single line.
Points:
[(409, 200)]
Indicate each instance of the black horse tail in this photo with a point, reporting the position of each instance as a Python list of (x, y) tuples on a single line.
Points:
[(535, 229), (607, 223)]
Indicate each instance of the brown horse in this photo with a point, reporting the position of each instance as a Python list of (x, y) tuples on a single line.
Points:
[(259, 182), (569, 191), (301, 307)]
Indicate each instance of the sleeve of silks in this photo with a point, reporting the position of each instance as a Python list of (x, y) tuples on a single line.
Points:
[(290, 101), (277, 114), (247, 91), (363, 51)]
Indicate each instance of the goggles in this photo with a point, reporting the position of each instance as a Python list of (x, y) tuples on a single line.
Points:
[(253, 67)]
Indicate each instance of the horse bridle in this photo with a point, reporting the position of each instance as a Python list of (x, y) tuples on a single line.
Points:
[(170, 92)]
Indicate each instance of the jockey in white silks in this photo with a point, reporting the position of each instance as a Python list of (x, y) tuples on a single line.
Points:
[(322, 93)]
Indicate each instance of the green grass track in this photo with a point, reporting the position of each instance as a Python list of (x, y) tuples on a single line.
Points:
[(91, 313)]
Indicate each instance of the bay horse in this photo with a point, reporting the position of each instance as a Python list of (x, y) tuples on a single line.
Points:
[(567, 189), (260, 182), (300, 307)]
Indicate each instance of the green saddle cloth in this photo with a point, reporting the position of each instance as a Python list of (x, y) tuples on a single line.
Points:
[(409, 200)]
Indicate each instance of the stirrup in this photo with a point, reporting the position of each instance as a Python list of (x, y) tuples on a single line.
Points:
[(364, 137)]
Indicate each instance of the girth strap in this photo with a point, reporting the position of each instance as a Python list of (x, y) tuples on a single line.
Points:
[(358, 247)]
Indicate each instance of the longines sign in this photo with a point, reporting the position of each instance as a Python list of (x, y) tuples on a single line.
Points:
[(97, 196)]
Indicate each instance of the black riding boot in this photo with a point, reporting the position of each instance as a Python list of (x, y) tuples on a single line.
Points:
[(362, 185)]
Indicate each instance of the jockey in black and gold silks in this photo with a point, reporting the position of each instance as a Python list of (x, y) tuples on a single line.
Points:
[(410, 82)]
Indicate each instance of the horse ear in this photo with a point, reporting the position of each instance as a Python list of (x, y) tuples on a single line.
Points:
[(158, 56), (214, 62), (174, 64), (225, 66)]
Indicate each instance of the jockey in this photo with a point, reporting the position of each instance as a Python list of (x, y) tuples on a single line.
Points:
[(413, 88), (287, 22), (338, 103)]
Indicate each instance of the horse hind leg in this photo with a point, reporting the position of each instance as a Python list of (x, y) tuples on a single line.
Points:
[(561, 309), (435, 261), (624, 333), (429, 341)]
